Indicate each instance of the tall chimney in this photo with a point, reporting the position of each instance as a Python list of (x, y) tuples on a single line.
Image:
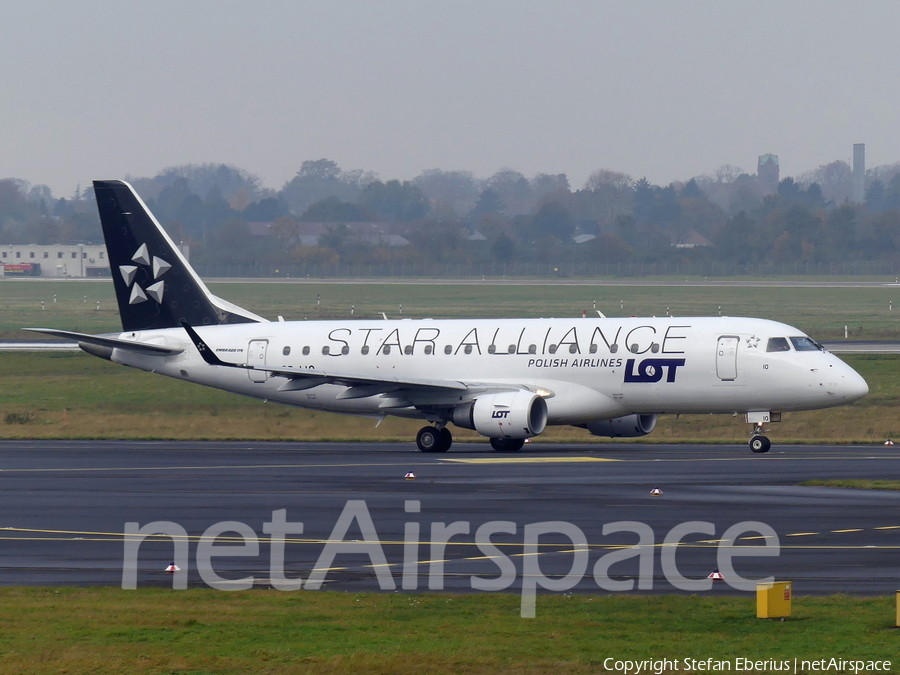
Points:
[(859, 172)]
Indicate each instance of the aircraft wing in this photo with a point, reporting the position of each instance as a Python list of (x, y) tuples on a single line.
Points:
[(109, 342), (361, 385)]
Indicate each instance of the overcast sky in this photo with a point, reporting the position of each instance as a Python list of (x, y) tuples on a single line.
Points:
[(669, 90)]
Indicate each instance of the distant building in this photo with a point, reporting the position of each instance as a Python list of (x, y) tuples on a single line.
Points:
[(859, 172), (58, 260), (54, 260), (767, 173), (693, 239), (309, 233)]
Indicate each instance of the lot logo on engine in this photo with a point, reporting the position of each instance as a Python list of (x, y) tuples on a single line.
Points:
[(500, 414), (651, 370)]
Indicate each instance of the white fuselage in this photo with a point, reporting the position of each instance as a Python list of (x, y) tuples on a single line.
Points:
[(590, 368)]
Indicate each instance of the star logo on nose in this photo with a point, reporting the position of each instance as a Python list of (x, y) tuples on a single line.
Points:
[(752, 342), (154, 264)]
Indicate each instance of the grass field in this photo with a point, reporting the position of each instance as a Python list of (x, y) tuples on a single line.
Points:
[(76, 396), (855, 484), (820, 312), (73, 395), (103, 630), (156, 631)]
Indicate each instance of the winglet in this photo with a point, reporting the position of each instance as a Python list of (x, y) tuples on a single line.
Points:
[(208, 354)]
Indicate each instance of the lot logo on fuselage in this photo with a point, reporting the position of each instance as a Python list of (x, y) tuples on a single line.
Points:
[(651, 370)]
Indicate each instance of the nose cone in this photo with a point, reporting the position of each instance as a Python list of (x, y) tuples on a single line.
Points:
[(851, 386)]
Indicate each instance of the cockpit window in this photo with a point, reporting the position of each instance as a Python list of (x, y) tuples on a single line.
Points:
[(778, 345), (805, 344)]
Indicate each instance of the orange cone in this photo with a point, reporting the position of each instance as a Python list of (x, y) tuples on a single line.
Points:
[(716, 575), (410, 476), (655, 492), (171, 569)]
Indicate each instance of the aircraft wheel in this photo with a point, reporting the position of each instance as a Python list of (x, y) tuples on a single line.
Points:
[(507, 444), (429, 439), (446, 440), (760, 444)]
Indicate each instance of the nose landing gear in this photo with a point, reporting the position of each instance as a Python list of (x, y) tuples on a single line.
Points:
[(758, 442)]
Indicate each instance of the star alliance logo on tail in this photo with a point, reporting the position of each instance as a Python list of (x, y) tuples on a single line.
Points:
[(159, 267)]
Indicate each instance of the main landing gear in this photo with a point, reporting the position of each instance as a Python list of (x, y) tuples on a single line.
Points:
[(432, 439), (507, 444)]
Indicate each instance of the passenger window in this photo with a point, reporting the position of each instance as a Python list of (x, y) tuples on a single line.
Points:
[(365, 350), (805, 344), (778, 345), (286, 351), (306, 351), (448, 349), (468, 349), (326, 350)]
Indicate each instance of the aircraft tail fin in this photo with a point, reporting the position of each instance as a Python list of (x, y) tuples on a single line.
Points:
[(155, 286)]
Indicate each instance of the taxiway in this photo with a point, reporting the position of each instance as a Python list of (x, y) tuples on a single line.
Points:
[(65, 505)]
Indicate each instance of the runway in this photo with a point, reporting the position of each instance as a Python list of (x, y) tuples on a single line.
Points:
[(65, 505)]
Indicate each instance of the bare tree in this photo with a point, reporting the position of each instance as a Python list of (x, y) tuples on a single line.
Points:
[(727, 173), (601, 178), (454, 190), (835, 180)]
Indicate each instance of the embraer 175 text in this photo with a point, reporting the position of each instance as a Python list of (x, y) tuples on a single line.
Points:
[(505, 378)]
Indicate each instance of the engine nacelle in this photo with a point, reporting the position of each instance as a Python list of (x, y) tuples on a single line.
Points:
[(630, 426), (513, 414)]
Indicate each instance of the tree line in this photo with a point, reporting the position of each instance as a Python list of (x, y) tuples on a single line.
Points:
[(454, 217)]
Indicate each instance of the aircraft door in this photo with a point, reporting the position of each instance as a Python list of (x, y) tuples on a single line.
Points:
[(726, 358), (256, 357)]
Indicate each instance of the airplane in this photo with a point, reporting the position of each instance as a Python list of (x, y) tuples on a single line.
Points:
[(507, 379)]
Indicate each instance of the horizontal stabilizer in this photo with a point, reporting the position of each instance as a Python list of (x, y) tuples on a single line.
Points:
[(110, 342)]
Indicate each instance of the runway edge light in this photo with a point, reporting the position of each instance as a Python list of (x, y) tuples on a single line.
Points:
[(774, 600)]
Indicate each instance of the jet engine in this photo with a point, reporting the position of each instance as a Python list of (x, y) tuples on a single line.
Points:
[(629, 426), (513, 414)]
